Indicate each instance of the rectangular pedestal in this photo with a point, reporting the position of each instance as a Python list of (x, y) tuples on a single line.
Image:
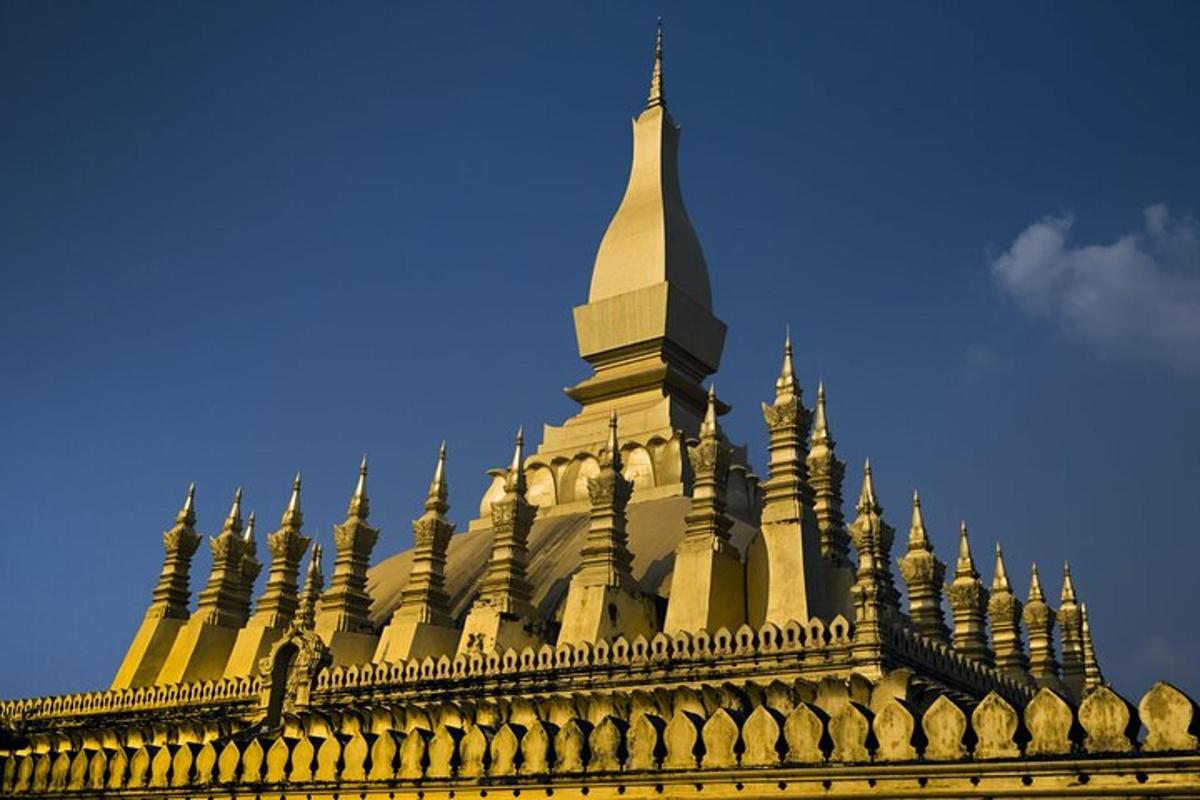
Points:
[(148, 652)]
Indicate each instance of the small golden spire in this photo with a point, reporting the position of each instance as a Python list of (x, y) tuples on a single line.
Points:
[(709, 425), (1000, 579), (613, 449), (438, 483), (657, 95), (360, 505), (918, 539), (820, 426), (1036, 595), (248, 536), (516, 470), (1093, 678), (1068, 590), (786, 383), (187, 513), (314, 562), (439, 493), (314, 581), (866, 498), (292, 515), (966, 563), (234, 519)]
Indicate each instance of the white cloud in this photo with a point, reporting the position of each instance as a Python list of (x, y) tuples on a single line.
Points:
[(1137, 297)]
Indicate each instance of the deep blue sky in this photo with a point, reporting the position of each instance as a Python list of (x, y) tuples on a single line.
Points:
[(238, 240)]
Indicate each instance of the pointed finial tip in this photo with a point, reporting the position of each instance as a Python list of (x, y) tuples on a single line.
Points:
[(191, 492), (296, 480), (237, 494), (867, 466), (362, 467), (442, 449), (916, 498), (998, 551), (656, 98)]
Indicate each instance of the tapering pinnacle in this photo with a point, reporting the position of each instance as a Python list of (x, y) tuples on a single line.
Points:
[(1068, 590), (657, 95), (709, 425), (917, 537), (187, 514), (360, 505), (516, 471), (1000, 580), (439, 472), (820, 425), (966, 564), (292, 515), (1035, 587), (866, 497), (786, 383), (248, 537), (314, 562), (439, 493), (613, 454), (234, 520)]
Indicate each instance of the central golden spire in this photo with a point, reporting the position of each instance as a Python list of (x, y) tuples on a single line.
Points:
[(650, 239), (648, 327)]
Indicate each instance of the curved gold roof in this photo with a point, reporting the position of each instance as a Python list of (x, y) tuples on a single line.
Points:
[(650, 239)]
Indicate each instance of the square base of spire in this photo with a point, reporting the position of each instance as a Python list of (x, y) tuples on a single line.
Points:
[(601, 612), (199, 653), (254, 642), (407, 639), (148, 652), (707, 588)]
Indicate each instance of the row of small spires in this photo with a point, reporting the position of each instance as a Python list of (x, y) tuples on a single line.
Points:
[(787, 387)]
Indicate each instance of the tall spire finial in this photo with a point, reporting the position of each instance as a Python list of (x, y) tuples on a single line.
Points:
[(785, 384), (613, 448), (1092, 676), (360, 505), (187, 513), (234, 520), (248, 536), (292, 515), (657, 96), (917, 537), (1035, 587), (1000, 579), (709, 425), (439, 493), (516, 470), (866, 498), (314, 581), (1068, 590), (820, 424), (966, 563)]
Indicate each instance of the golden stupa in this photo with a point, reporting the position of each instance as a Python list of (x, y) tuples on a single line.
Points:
[(632, 613)]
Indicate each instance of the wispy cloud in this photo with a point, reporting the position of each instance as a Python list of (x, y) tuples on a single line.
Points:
[(1137, 297)]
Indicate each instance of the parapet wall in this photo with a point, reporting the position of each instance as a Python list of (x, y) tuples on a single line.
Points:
[(781, 747)]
